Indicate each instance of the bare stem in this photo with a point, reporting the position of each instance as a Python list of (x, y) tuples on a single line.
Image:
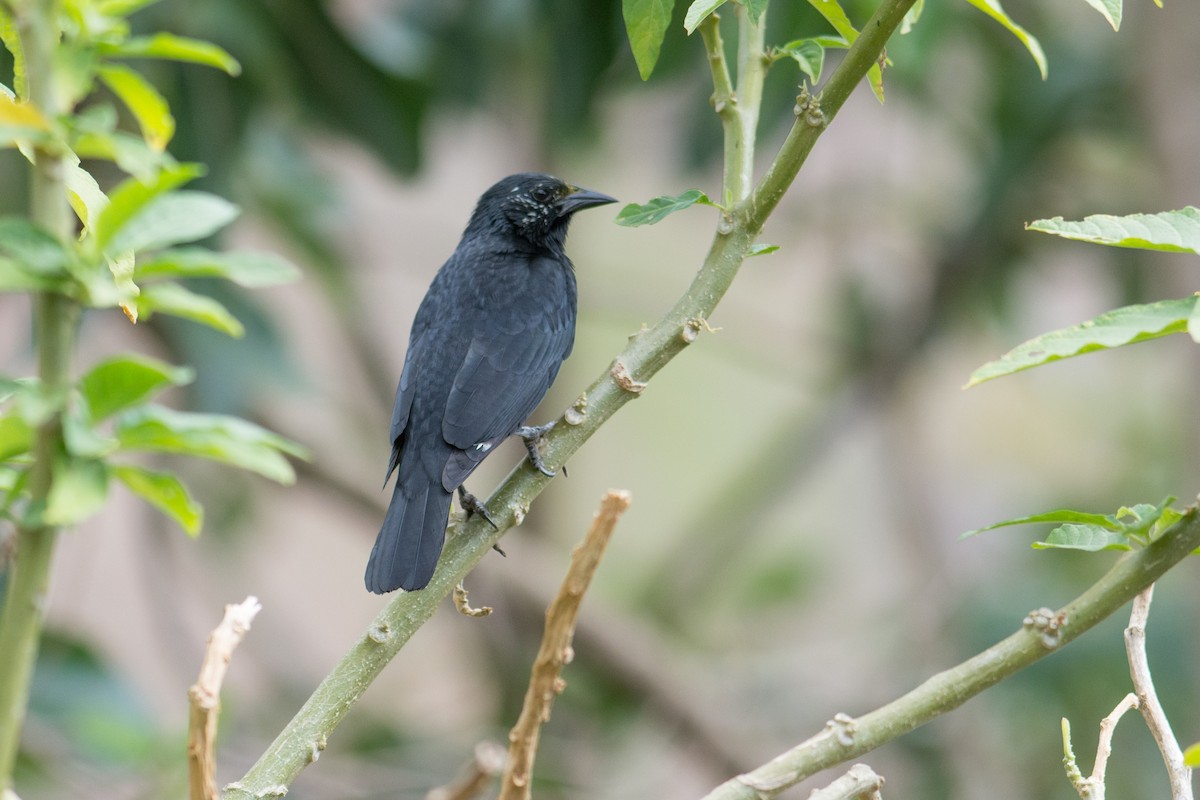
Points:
[(545, 680), (1178, 772), (204, 697), (54, 321)]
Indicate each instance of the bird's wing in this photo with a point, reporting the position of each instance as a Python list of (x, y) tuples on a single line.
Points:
[(502, 379)]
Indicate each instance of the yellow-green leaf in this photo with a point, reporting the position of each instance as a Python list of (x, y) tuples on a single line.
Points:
[(174, 48), (994, 10), (143, 100), (165, 492), (20, 121)]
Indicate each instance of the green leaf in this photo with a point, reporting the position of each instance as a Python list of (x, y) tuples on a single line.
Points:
[(130, 153), (1169, 231), (149, 108), (646, 23), (16, 277), (12, 43), (755, 9), (1191, 756), (1063, 515), (655, 210), (1110, 10), (761, 250), (121, 8), (1114, 328), (173, 299), (165, 492), (245, 268), (130, 198), (912, 17), (84, 194), (174, 48), (994, 10), (698, 11), (20, 121), (122, 381), (16, 436), (79, 490), (833, 13), (36, 249), (1091, 538), (809, 54), (174, 217), (214, 436)]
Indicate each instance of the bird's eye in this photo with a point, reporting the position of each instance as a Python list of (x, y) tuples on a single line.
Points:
[(542, 193)]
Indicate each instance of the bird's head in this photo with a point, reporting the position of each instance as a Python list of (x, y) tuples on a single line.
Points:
[(533, 206)]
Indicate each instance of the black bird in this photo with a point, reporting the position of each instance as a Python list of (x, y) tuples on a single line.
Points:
[(488, 339)]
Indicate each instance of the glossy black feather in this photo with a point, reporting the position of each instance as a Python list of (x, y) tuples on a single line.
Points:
[(486, 343)]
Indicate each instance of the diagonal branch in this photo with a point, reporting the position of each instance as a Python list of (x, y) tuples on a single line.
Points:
[(555, 652), (1043, 633), (642, 358)]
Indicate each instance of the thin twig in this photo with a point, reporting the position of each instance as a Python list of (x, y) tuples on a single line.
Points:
[(486, 763), (205, 697), (1178, 772), (859, 783), (462, 602), (545, 680), (1092, 787)]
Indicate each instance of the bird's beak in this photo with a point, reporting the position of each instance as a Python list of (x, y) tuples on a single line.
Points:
[(580, 199)]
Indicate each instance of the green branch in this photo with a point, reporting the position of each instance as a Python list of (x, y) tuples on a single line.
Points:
[(55, 318), (1044, 633), (649, 351)]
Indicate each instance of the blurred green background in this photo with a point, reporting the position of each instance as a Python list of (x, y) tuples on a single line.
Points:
[(799, 477)]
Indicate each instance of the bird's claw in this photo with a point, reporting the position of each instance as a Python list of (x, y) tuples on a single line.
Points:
[(530, 434), (473, 505)]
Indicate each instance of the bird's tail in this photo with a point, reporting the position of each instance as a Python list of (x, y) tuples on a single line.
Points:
[(410, 541)]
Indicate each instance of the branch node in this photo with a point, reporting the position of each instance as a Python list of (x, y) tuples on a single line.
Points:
[(314, 749), (808, 108), (620, 374), (462, 603), (1048, 625), (694, 327), (379, 633), (576, 414), (843, 727)]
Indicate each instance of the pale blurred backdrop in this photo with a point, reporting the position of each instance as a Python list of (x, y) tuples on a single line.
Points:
[(799, 478)]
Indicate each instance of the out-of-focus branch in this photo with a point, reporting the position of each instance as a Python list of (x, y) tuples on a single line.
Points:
[(545, 680), (204, 697), (1043, 633), (486, 764), (1152, 711), (1092, 787)]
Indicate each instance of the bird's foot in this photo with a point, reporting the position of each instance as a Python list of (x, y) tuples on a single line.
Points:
[(530, 435), (473, 505)]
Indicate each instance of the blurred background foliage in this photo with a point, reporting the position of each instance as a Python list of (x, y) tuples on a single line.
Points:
[(799, 478)]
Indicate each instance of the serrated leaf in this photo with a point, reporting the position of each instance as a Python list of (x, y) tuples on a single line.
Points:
[(87, 200), (213, 436), (646, 23), (1091, 538), (130, 198), (994, 10), (172, 218), (1169, 231), (1110, 10), (655, 210), (125, 380), (698, 11), (148, 107), (1116, 328), (174, 48), (173, 299), (79, 490), (245, 268), (1061, 515), (761, 249), (12, 43), (165, 492)]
